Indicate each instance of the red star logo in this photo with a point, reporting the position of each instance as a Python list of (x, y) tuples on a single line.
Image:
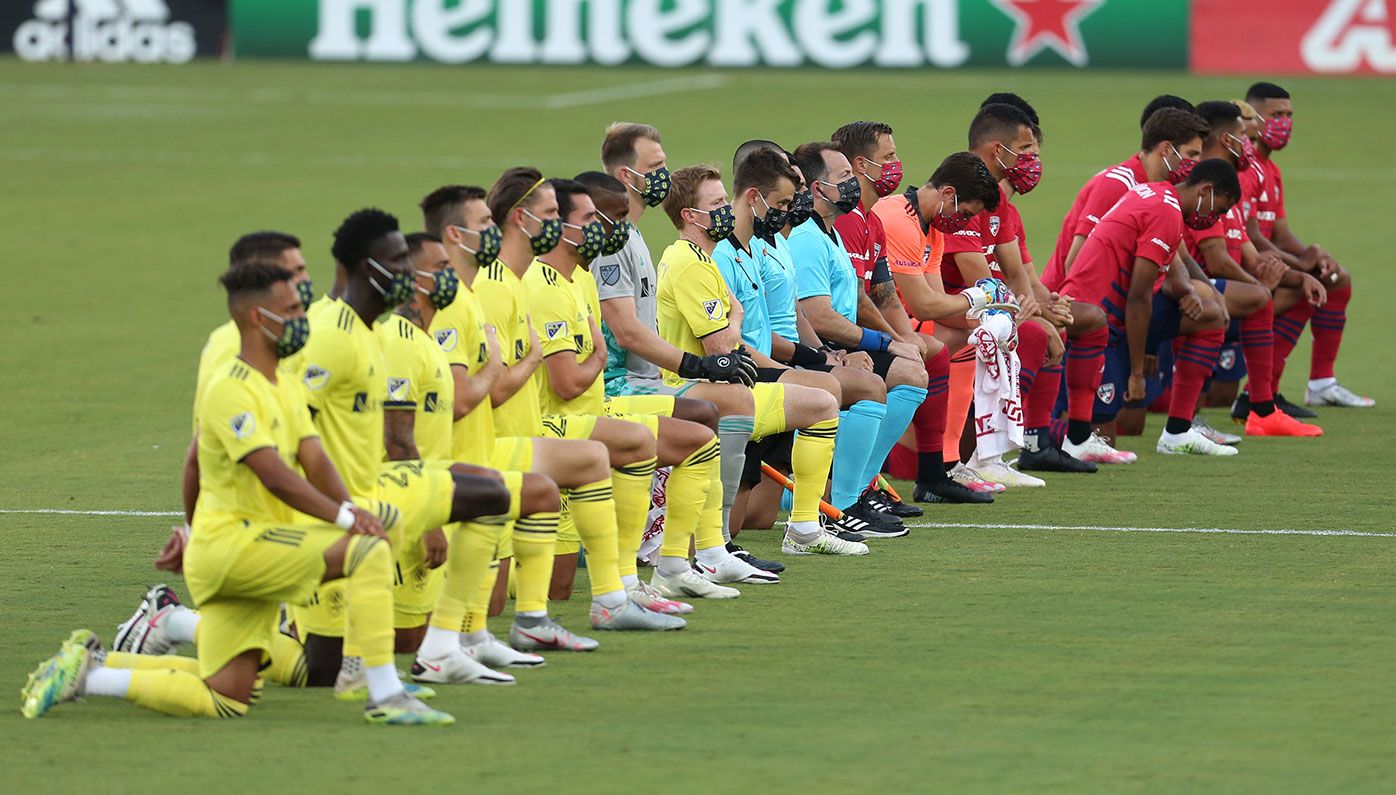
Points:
[(1039, 24)]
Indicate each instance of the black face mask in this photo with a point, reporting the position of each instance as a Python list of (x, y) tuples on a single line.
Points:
[(801, 208), (769, 225), (850, 193)]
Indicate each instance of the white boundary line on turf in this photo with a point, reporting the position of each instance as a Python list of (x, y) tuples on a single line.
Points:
[(68, 512), (671, 85)]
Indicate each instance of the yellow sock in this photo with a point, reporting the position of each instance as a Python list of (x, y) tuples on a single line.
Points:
[(287, 666), (149, 662), (810, 459), (181, 693), (632, 492), (594, 510), (709, 533), (477, 610), (471, 550), (368, 571), (686, 494), (535, 537)]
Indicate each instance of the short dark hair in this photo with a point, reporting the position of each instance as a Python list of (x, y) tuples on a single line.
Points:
[(762, 170), (515, 186), (744, 151), (1263, 91), (859, 138), (252, 276), (1218, 113), (683, 190), (1173, 125), (566, 189), (1160, 102), (1009, 98), (1220, 173), (416, 239), (266, 243), (618, 147), (970, 178), (810, 159), (443, 206), (359, 232), (599, 182), (996, 122)]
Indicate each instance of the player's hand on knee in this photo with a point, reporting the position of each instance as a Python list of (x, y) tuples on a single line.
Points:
[(435, 545), (366, 524), (1134, 388), (171, 557)]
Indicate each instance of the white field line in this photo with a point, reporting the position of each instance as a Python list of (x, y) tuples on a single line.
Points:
[(947, 525), (650, 88)]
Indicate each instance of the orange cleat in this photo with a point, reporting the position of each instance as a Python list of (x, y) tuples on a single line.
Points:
[(1279, 423)]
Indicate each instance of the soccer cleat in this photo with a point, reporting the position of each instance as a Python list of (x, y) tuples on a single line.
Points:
[(494, 653), (650, 599), (999, 472), (765, 565), (1098, 451), (1278, 423), (866, 508), (1241, 408), (883, 500), (1052, 459), (875, 523), (405, 710), (143, 632), (631, 616), (1193, 443), (949, 491), (1220, 437), (60, 677), (734, 569), (1293, 409), (688, 584), (849, 528), (1335, 394), (825, 544), (968, 478), (354, 687), (548, 634), (457, 668)]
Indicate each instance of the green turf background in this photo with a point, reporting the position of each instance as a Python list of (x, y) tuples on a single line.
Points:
[(960, 659)]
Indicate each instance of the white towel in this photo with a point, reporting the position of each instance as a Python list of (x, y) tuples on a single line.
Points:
[(998, 407)]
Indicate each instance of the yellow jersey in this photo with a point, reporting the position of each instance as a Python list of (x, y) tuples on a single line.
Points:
[(460, 336), (560, 317), (505, 303), (345, 381), (693, 299), (419, 380)]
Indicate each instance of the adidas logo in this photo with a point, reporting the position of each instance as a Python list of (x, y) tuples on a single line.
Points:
[(104, 30)]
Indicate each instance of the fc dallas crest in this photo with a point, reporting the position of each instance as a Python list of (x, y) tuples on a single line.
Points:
[(1040, 24)]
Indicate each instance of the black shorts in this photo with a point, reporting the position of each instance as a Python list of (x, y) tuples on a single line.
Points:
[(769, 375), (774, 450), (882, 361)]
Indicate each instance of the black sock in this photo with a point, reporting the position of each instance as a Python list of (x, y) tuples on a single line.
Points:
[(1078, 431), (930, 468), (1177, 425), (1263, 408), (1035, 440), (323, 657)]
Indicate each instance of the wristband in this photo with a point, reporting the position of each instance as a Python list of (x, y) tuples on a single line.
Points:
[(874, 341), (805, 356), (345, 519)]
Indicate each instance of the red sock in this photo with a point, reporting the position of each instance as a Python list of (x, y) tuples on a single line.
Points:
[(1195, 356), (1040, 392), (1327, 328), (1085, 359), (1257, 347), (929, 420), (1032, 350), (1288, 327)]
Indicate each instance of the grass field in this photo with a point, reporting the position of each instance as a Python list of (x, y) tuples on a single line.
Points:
[(969, 657)]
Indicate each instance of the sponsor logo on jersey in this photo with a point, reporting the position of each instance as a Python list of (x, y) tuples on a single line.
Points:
[(447, 339), (243, 425), (360, 402), (429, 402), (646, 289), (316, 377), (610, 274), (518, 349), (1167, 248), (713, 309), (556, 329), (1106, 393), (398, 388)]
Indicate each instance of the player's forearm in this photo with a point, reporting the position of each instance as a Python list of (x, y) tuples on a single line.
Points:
[(762, 360), (782, 349), (830, 325), (398, 435), (808, 335), (189, 491), (644, 342), (1222, 266), (1190, 266), (1139, 309), (510, 381), (320, 470), (870, 316), (470, 391), (1175, 284)]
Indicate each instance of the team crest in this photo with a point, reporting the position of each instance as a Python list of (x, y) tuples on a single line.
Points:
[(555, 329), (447, 339), (397, 389), (713, 309), (993, 226), (610, 274), (316, 377), (1106, 393), (1227, 359), (243, 425)]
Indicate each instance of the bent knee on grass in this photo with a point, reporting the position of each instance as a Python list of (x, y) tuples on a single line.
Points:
[(539, 495), (627, 442)]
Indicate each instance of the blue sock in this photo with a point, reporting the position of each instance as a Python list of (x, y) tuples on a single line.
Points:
[(902, 403), (858, 429)]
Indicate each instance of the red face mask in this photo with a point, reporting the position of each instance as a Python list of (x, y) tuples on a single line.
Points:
[(1024, 174), (889, 178), (1180, 172), (1277, 131), (1199, 220), (951, 222), (1246, 156)]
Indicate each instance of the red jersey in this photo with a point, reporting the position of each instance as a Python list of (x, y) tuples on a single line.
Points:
[(1266, 187), (1147, 222), (983, 232), (1232, 227), (864, 240), (1094, 200), (1013, 222)]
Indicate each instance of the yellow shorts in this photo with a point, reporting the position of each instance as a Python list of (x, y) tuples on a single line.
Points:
[(770, 410), (582, 426), (283, 564), (649, 405)]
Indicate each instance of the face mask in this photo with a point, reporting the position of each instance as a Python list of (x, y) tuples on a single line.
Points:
[(488, 249), (294, 332), (801, 208), (723, 221), (619, 236), (306, 293), (593, 239), (1024, 174), (888, 179), (443, 288), (400, 285), (1277, 131), (1199, 220), (951, 222), (656, 186), (549, 234), (771, 223), (1180, 172), (1243, 157), (850, 193)]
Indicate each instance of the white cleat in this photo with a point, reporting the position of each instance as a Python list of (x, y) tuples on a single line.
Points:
[(1335, 394), (651, 599), (1220, 437), (688, 584), (1192, 443), (1097, 451), (631, 616), (825, 544), (545, 633), (970, 479), (999, 472), (144, 632), (457, 668), (734, 569), (494, 653)]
